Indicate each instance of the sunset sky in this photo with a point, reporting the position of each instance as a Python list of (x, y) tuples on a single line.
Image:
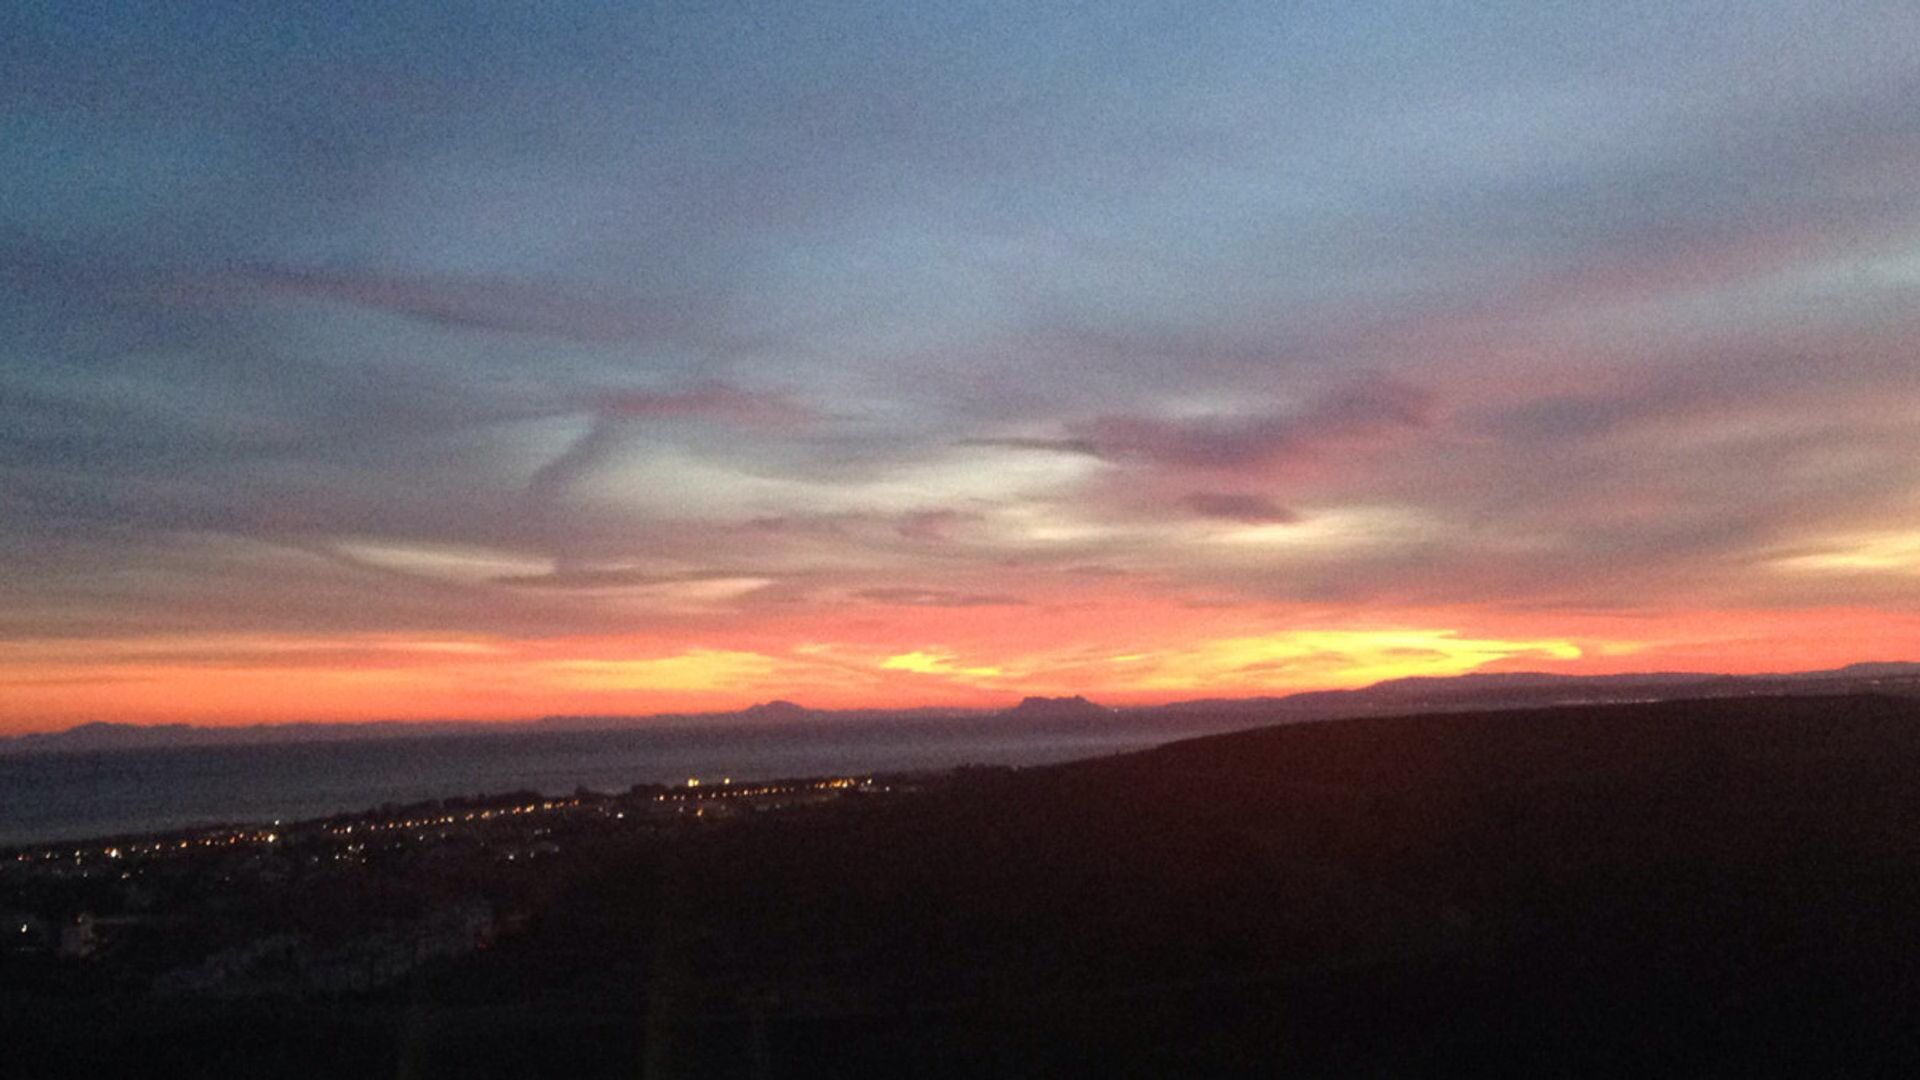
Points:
[(382, 360)]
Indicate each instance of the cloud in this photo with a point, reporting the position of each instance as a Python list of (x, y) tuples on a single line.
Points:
[(695, 669), (1352, 415), (1879, 554), (616, 415), (933, 526), (624, 577), (579, 313), (912, 597), (939, 662), (1085, 447), (271, 329), (714, 401), (1247, 509), (593, 446), (1336, 657)]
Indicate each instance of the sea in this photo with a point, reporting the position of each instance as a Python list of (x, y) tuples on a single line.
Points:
[(71, 795)]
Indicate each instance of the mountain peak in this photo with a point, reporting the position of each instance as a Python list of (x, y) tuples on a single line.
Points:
[(777, 709), (1057, 706)]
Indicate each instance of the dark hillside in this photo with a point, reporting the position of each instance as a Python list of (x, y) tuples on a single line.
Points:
[(1702, 887)]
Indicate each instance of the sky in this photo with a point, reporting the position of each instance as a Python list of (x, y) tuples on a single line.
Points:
[(387, 360)]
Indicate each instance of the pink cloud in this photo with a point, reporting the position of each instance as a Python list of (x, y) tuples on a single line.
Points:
[(1366, 411), (933, 526), (1246, 509)]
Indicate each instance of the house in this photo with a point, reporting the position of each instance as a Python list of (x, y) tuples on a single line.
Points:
[(24, 932)]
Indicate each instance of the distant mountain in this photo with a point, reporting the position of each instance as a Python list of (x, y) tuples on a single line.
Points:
[(1884, 669), (776, 711), (1534, 689), (1056, 708), (1478, 691), (102, 735)]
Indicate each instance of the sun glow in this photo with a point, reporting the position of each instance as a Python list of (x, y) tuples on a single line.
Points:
[(704, 670), (936, 663), (1130, 647), (1316, 658)]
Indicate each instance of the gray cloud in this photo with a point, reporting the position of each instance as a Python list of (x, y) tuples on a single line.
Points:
[(1351, 417), (578, 312), (618, 414)]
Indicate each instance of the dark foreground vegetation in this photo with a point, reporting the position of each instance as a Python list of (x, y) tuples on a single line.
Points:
[(1716, 888)]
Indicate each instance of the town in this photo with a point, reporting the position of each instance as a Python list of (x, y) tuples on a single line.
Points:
[(345, 903)]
